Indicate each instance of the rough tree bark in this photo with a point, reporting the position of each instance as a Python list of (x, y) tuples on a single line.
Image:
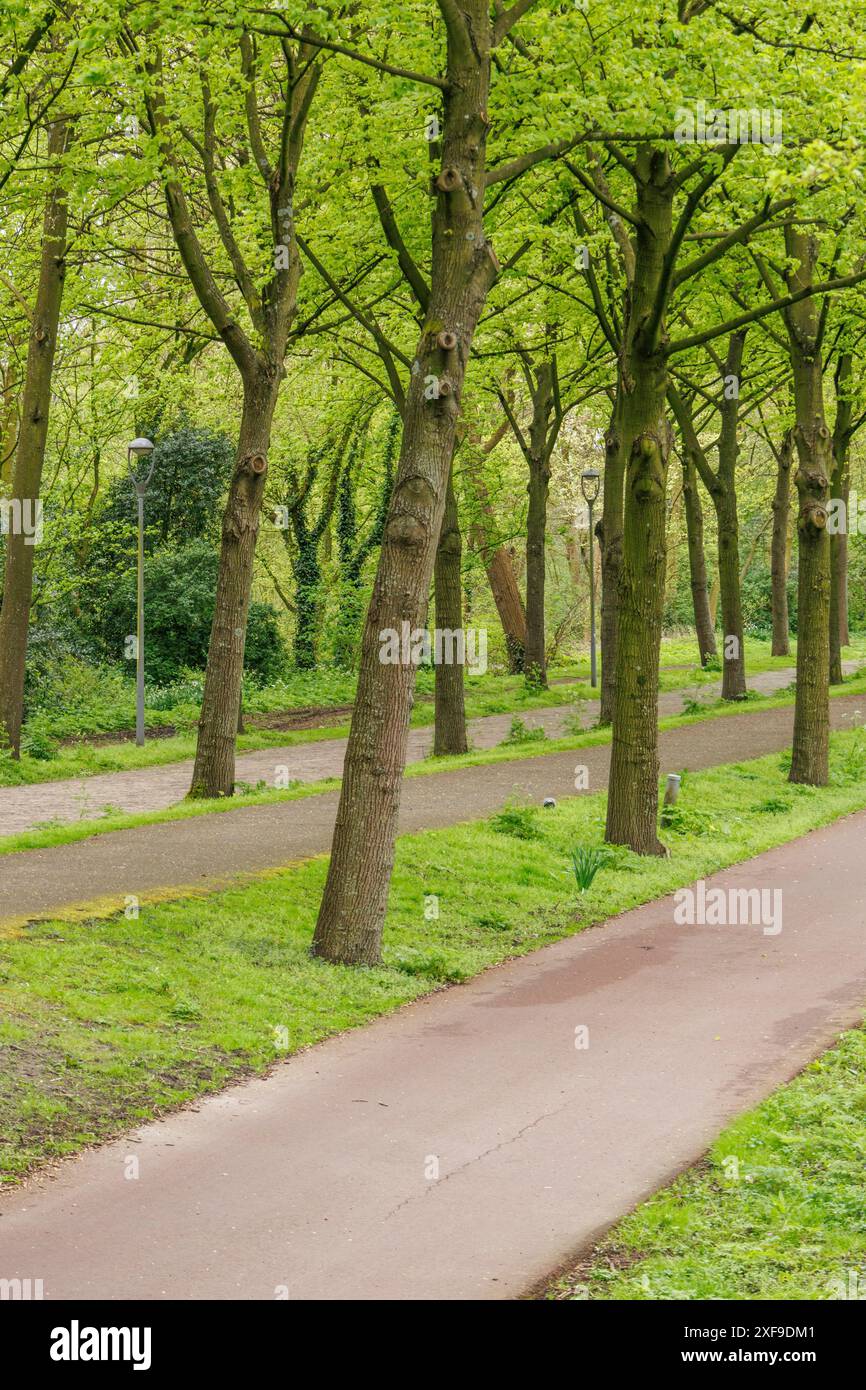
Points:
[(632, 805), (537, 452), (496, 558), (463, 268), (259, 359), (609, 532), (450, 705), (30, 451), (704, 629), (214, 770), (811, 749), (779, 547), (721, 484), (840, 487)]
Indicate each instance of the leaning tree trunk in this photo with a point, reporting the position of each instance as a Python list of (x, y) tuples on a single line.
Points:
[(779, 548), (632, 802), (352, 912), (497, 561), (509, 605), (450, 726), (704, 629), (30, 451), (811, 742), (609, 531), (214, 771)]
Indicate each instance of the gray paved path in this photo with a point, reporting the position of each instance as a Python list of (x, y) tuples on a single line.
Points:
[(155, 788), (202, 851)]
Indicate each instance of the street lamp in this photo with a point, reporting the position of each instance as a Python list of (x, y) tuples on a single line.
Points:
[(140, 451), (590, 482)]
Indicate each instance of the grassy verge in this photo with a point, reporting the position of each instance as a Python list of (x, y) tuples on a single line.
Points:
[(488, 694), (107, 1022), (54, 834), (484, 695), (775, 1211)]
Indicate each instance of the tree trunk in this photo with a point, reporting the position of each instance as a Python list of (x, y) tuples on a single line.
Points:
[(609, 532), (779, 547), (497, 561), (632, 803), (697, 562), (30, 453), (733, 657), (538, 460), (840, 487), (722, 487), (810, 755), (8, 419), (214, 771), (509, 605), (725, 500), (450, 727), (463, 267)]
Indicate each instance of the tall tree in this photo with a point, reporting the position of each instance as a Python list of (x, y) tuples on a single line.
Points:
[(463, 269), (291, 70), (32, 436)]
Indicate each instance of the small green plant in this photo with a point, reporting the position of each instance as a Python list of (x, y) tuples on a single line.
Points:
[(692, 704), (586, 861), (773, 806), (516, 820), (251, 788), (519, 733), (574, 720), (850, 764), (38, 744)]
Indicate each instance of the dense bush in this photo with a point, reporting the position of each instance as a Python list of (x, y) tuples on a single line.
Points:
[(180, 586), (191, 470)]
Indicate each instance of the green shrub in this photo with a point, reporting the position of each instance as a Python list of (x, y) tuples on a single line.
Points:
[(519, 733), (516, 820)]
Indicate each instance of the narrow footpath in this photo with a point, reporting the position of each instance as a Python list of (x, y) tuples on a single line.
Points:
[(202, 852)]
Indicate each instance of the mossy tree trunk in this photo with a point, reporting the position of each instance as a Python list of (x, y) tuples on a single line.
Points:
[(810, 753), (537, 450), (840, 487), (704, 629), (30, 450), (610, 529), (450, 704), (463, 268), (781, 644), (632, 805)]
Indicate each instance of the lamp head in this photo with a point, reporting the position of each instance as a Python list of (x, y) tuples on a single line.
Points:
[(590, 483), (140, 449)]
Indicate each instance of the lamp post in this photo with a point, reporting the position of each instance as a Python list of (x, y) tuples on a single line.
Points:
[(140, 450), (590, 482)]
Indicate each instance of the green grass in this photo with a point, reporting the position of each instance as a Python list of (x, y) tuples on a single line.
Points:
[(484, 695), (59, 833), (775, 1211), (108, 1021), (488, 694)]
